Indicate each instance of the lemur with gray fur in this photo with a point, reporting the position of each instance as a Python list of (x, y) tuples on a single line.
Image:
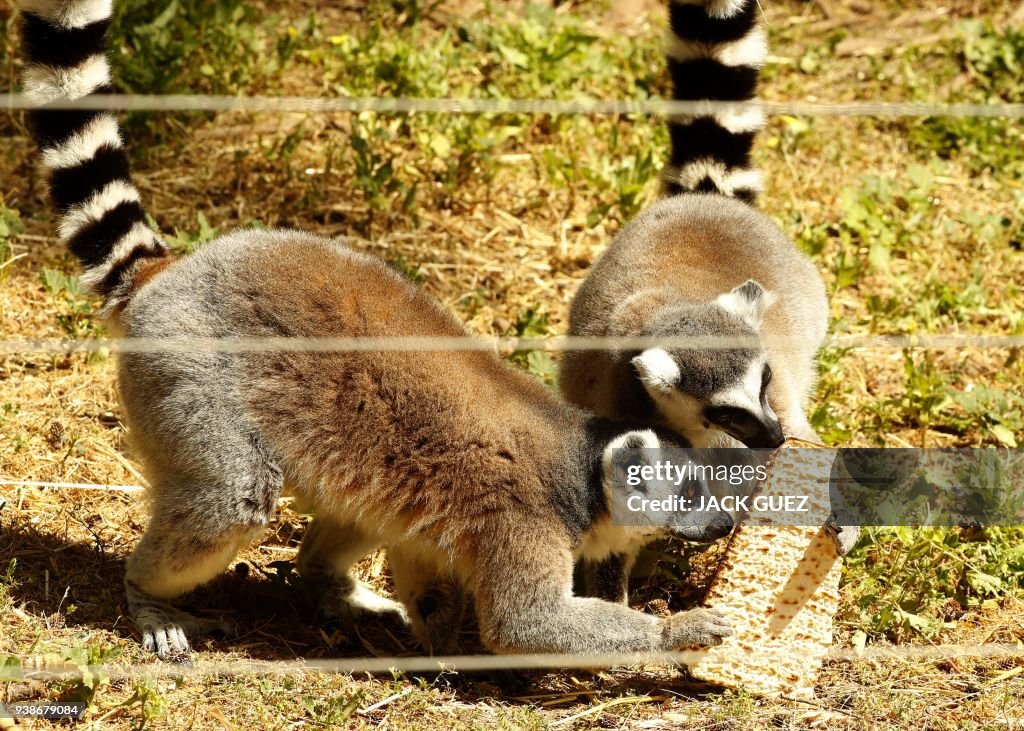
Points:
[(704, 262), (470, 471)]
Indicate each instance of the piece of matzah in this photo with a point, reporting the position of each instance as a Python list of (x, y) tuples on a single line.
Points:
[(779, 588)]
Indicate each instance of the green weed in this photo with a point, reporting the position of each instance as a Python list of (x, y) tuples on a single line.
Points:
[(333, 712), (992, 60), (831, 381), (147, 699), (202, 46), (496, 55), (926, 392), (885, 226), (74, 303), (185, 242), (410, 271), (533, 323), (18, 438), (89, 661), (195, 47), (8, 52), (7, 581), (10, 668), (375, 176), (990, 410), (906, 581)]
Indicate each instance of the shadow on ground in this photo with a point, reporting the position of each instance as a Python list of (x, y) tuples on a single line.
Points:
[(75, 586)]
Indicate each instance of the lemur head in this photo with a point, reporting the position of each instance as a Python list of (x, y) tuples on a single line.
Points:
[(704, 392), (644, 466)]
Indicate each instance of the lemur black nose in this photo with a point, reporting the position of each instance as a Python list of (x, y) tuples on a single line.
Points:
[(704, 526), (768, 436), (720, 527)]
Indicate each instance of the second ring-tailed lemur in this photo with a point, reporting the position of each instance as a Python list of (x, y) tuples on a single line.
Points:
[(703, 262), (469, 470)]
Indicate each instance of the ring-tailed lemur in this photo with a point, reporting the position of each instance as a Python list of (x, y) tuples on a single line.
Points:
[(469, 470), (703, 262)]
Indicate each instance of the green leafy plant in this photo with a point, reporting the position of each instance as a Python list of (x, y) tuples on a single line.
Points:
[(994, 410), (533, 323), (498, 54), (830, 383), (196, 46), (926, 392), (992, 58), (186, 242), (333, 712), (89, 660), (917, 581), (375, 176), (74, 301), (148, 700), (410, 271)]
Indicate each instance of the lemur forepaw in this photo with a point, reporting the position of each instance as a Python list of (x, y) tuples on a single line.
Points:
[(700, 627), (844, 536)]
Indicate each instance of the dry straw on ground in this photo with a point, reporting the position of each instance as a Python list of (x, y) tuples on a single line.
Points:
[(503, 245)]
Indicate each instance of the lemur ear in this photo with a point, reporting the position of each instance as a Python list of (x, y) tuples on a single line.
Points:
[(624, 450), (657, 370), (722, 9), (638, 439), (749, 301)]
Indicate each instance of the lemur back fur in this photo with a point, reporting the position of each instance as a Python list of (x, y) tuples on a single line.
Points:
[(703, 262), (679, 267), (470, 471)]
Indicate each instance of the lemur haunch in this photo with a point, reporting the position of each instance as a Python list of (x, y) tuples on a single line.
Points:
[(704, 262), (469, 470)]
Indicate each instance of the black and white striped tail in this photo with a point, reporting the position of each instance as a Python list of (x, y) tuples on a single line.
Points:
[(715, 51), (101, 217)]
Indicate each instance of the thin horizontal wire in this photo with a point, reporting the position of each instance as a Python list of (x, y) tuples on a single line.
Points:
[(74, 485), (408, 105), (472, 343), (44, 667)]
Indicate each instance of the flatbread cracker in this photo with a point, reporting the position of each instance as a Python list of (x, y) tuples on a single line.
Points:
[(779, 587)]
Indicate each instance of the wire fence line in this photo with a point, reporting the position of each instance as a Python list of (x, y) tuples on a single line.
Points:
[(38, 668), (471, 343), (596, 107), (72, 485), (54, 667)]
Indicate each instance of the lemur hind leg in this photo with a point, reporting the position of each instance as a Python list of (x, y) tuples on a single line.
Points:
[(436, 601), (180, 550), (204, 509), (328, 551)]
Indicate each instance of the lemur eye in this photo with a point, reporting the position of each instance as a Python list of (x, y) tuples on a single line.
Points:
[(727, 417), (766, 376), (721, 417)]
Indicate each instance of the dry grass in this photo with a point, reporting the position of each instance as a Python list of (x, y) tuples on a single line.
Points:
[(504, 241)]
